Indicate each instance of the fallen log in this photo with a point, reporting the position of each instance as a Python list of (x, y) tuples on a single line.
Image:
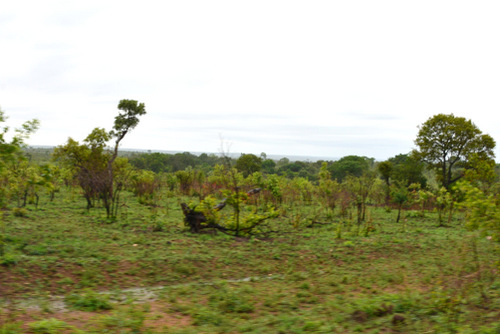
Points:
[(196, 220)]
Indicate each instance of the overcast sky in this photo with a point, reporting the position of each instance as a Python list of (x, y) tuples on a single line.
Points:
[(314, 78)]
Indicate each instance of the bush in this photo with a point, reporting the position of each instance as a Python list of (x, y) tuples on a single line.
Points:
[(11, 328), (20, 212), (88, 301), (8, 260), (48, 326), (120, 320)]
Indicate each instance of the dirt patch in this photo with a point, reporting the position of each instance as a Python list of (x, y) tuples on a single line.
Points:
[(159, 318)]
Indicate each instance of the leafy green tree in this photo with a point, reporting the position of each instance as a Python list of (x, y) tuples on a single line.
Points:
[(246, 219), (88, 163), (408, 170), (248, 164), (400, 196), (268, 166), (448, 143), (350, 165), (94, 165), (385, 168), (482, 209), (298, 169), (24, 181), (189, 179), (274, 186), (446, 201), (10, 151), (163, 162), (10, 154), (360, 189), (482, 172), (328, 189)]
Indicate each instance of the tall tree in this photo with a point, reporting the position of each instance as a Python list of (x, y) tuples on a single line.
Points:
[(248, 164), (385, 169), (407, 170), (350, 165), (10, 150), (448, 143), (94, 164)]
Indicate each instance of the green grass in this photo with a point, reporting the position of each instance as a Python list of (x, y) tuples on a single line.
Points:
[(389, 278)]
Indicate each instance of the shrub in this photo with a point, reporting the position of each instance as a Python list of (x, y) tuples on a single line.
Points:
[(20, 212), (88, 301), (48, 326), (8, 260)]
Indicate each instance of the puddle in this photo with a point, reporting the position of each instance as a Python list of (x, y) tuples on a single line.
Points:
[(135, 295)]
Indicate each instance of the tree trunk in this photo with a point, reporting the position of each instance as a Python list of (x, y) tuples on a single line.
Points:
[(399, 213), (450, 214), (196, 219)]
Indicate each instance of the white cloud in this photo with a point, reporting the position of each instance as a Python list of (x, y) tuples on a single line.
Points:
[(293, 77)]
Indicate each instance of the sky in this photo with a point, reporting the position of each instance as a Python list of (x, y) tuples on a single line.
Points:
[(304, 78)]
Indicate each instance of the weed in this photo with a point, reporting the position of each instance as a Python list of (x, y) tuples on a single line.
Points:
[(20, 212), (11, 328), (48, 326), (438, 279), (206, 316), (129, 320), (88, 301), (230, 301), (8, 260)]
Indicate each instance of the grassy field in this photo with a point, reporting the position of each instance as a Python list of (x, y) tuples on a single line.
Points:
[(68, 270)]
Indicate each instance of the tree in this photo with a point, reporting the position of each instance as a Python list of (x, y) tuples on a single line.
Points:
[(248, 164), (268, 166), (482, 210), (328, 189), (10, 151), (447, 143), (360, 188), (349, 165), (385, 168), (400, 196), (94, 165), (407, 170)]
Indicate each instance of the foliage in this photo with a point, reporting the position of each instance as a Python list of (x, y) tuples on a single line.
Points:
[(10, 151), (129, 320), (301, 279), (481, 172), (360, 189), (482, 210), (145, 184), (401, 196), (164, 162), (246, 218), (294, 169), (268, 166), (452, 144), (352, 165), (189, 180), (10, 328), (407, 170), (287, 259), (48, 326), (328, 189), (444, 201), (88, 300), (248, 164), (385, 168), (94, 165)]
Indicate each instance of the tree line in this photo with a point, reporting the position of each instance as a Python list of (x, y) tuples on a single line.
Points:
[(452, 168)]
